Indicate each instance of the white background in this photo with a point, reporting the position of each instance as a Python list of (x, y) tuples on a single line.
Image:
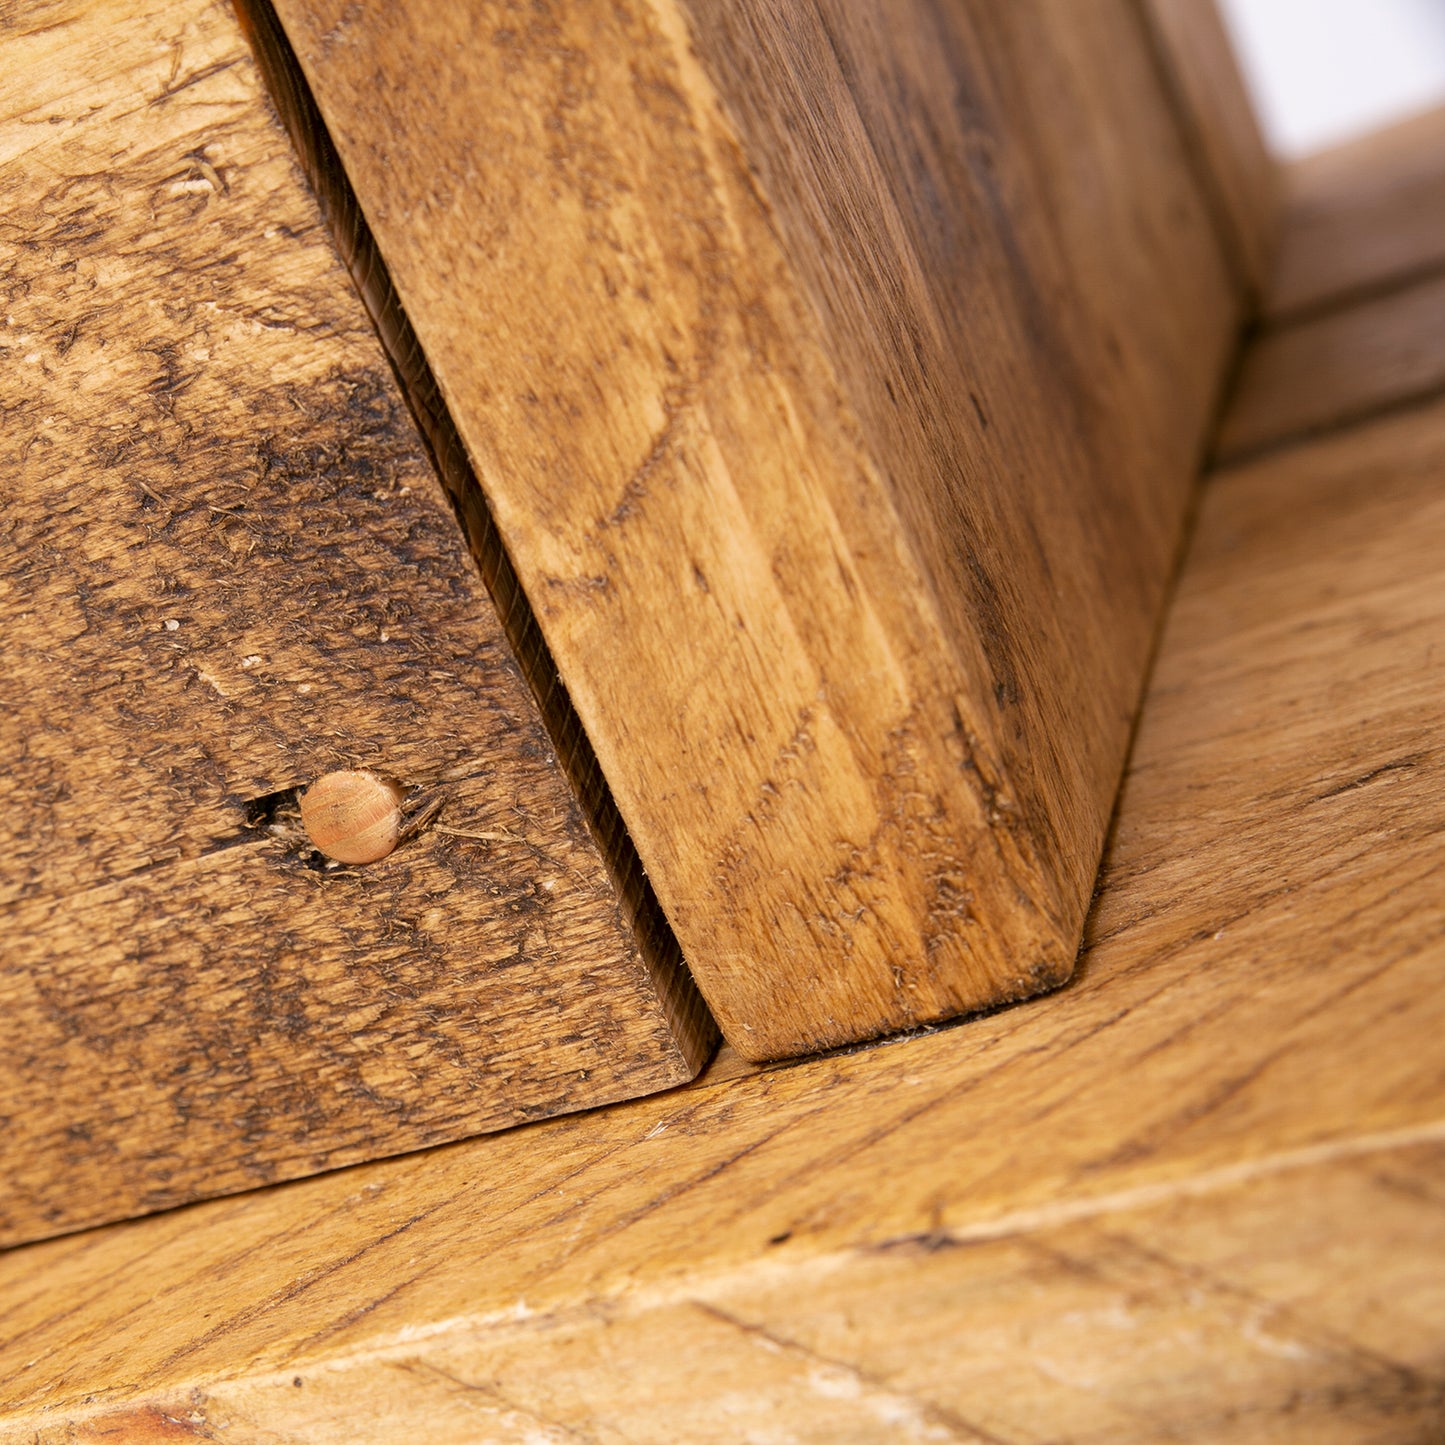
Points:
[(1321, 71)]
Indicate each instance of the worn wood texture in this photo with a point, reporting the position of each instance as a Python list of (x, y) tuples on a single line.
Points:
[(1362, 217), (1240, 176), (225, 568), (1196, 1195), (836, 375), (1299, 1302), (1335, 369)]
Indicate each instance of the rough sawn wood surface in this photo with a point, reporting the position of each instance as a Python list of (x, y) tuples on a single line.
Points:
[(225, 568)]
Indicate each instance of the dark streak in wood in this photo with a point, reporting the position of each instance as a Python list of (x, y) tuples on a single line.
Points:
[(226, 568)]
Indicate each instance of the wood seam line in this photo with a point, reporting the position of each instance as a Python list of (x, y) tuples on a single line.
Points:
[(691, 1286), (1348, 298), (247, 835), (1338, 302), (1231, 244), (316, 154), (1347, 421)]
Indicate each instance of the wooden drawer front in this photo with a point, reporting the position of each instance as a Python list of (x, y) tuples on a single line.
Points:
[(226, 568)]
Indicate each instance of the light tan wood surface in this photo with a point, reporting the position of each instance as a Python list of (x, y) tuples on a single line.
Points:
[(1336, 369), (836, 376), (1362, 217), (225, 569), (1195, 1195), (1241, 177), (1238, 1311)]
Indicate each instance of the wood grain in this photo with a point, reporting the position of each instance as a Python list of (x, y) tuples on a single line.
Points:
[(1204, 1316), (1361, 217), (1197, 1194), (225, 568), (1336, 369), (1240, 176), (842, 379)]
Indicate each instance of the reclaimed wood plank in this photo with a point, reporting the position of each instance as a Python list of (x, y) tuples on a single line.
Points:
[(1362, 217), (837, 377), (1197, 1193), (1336, 369), (225, 569)]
